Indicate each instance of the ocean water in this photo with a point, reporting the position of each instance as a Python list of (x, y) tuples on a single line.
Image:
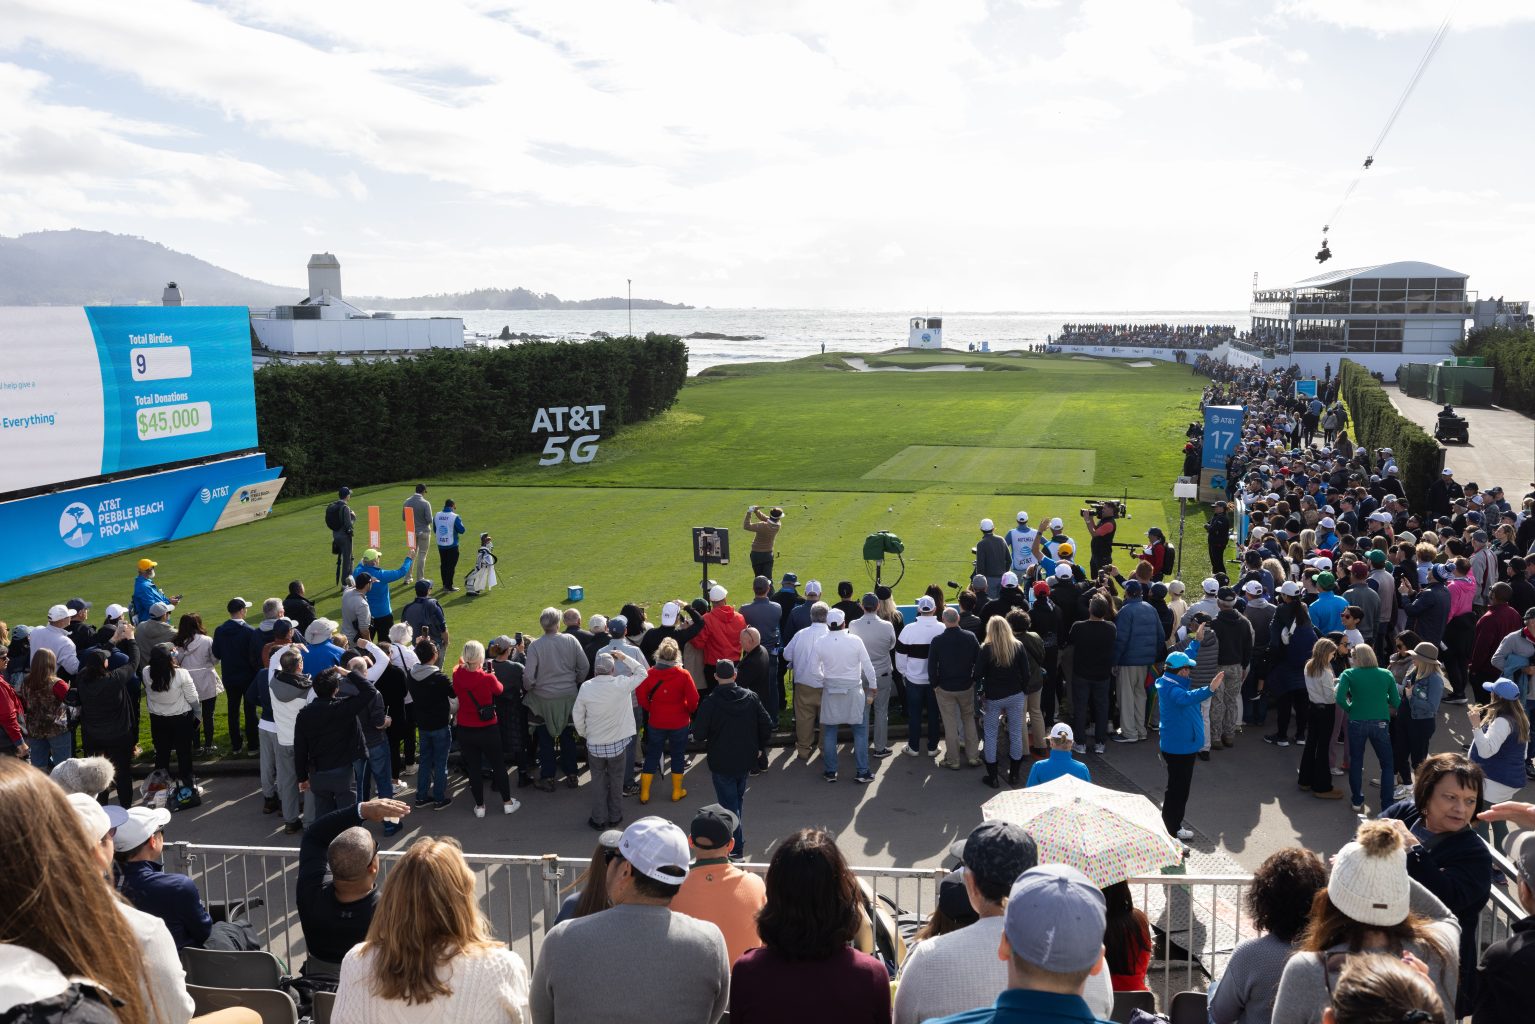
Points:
[(791, 333)]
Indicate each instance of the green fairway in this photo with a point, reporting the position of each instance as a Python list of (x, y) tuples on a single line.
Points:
[(1021, 467), (845, 453)]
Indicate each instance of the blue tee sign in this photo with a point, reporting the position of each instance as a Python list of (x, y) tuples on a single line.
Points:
[(1223, 428)]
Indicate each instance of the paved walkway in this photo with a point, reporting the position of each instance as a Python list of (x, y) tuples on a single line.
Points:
[(1244, 806), (1502, 448)]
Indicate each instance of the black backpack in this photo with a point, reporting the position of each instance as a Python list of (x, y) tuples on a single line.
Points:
[(335, 519), (1169, 560)]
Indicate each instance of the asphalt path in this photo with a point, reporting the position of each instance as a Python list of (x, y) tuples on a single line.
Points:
[(1244, 806)]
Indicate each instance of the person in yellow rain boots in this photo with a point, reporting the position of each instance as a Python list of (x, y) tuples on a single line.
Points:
[(670, 695)]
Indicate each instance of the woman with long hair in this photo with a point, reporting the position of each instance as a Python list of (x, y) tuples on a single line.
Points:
[(1374, 989), (588, 894), (1367, 693), (1279, 897), (812, 914), (60, 928), (42, 695), (194, 653), (171, 698), (1315, 769), (109, 722), (1422, 689), (1370, 905), (430, 955), (479, 732), (1126, 939), (1500, 734), (1002, 674)]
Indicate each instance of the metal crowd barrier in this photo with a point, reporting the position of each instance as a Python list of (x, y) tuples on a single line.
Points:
[(1197, 920)]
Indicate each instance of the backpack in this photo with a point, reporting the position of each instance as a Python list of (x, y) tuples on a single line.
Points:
[(1169, 560), (184, 798), (335, 519)]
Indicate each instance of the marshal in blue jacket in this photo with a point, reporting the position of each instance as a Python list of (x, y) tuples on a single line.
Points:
[(1183, 729)]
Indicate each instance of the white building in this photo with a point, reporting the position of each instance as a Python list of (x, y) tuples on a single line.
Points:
[(1381, 317), (926, 332), (326, 323)]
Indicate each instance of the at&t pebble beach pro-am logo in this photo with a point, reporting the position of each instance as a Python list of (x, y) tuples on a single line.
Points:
[(76, 525)]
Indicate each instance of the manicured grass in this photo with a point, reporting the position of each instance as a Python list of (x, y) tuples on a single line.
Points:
[(820, 441)]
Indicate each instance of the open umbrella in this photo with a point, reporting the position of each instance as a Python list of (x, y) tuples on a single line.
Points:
[(1107, 835)]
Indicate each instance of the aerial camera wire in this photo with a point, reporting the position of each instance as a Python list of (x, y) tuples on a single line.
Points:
[(1396, 112)]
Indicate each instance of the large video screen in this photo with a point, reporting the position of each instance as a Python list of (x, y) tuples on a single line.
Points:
[(108, 389)]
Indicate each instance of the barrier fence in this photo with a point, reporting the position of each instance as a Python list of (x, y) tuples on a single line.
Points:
[(1197, 920)]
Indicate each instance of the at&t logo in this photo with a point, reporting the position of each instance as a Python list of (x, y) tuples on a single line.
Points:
[(76, 525), (206, 495)]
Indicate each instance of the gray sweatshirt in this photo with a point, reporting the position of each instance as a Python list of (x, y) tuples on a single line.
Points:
[(556, 667), (628, 962), (422, 509)]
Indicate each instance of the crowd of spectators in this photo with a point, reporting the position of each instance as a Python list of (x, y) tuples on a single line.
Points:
[(1179, 336), (1356, 619)]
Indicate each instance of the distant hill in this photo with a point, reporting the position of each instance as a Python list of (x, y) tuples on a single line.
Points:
[(512, 298), (76, 268)]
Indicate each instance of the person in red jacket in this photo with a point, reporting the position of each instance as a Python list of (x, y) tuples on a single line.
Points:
[(721, 636), (479, 733), (1499, 620), (670, 696)]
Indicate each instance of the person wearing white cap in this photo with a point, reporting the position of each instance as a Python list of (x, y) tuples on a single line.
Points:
[(911, 650), (165, 980), (1023, 541), (155, 630), (1060, 762), (800, 655), (991, 558), (1371, 905), (1052, 544), (55, 637), (1206, 603), (638, 953), (140, 847), (845, 669), (721, 636)]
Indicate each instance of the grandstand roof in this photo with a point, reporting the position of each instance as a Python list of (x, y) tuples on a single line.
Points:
[(1404, 268)]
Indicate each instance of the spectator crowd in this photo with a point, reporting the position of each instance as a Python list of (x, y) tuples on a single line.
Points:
[(1359, 623)]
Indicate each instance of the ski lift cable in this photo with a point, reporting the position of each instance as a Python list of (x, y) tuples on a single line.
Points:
[(1396, 111)]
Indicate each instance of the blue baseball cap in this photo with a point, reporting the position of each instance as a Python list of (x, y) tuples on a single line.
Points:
[(1505, 688), (1177, 660)]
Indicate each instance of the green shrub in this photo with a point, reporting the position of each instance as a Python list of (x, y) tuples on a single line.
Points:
[(1511, 354), (362, 423), (1375, 422)]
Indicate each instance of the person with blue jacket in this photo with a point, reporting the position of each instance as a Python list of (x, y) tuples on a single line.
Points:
[(379, 605), (146, 593), (1138, 645), (1183, 729), (1327, 610)]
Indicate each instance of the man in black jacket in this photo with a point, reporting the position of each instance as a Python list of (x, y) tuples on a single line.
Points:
[(1234, 635), (735, 728), (231, 646), (951, 658), (327, 741), (337, 883), (1219, 535)]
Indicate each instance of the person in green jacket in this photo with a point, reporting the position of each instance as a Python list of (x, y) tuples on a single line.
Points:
[(1368, 693)]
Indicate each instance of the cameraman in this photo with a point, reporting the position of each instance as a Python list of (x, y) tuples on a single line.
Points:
[(1101, 523)]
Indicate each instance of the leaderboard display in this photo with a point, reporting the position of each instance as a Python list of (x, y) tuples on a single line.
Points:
[(110, 389)]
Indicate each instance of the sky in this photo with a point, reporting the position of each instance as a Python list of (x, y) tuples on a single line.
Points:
[(924, 155)]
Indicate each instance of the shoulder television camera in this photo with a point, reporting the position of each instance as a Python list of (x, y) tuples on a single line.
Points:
[(1110, 509)]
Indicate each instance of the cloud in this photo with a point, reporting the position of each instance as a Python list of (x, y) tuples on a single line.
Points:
[(1394, 17)]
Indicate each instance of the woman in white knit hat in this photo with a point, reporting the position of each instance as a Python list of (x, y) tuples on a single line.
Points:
[(1370, 905)]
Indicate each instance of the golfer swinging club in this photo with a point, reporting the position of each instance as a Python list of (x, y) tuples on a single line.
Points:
[(764, 532)]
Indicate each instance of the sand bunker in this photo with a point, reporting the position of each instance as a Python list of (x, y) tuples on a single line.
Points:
[(1142, 364), (863, 367)]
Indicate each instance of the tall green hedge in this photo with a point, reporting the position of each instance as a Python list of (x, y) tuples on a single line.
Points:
[(1376, 423), (1511, 354), (363, 423)]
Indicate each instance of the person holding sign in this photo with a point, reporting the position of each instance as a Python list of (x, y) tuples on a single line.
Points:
[(448, 526)]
